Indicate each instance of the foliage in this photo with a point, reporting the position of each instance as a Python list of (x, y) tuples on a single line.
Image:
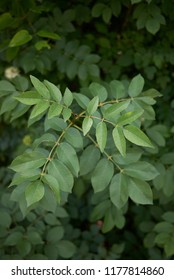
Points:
[(95, 165)]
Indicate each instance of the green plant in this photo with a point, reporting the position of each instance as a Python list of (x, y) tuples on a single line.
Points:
[(82, 102), (91, 136)]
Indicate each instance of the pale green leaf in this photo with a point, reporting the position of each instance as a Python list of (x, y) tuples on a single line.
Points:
[(119, 190), (46, 138), (89, 159), (39, 108), (66, 113), (119, 140), (53, 184), (74, 137), (54, 91), (141, 170), (93, 105), (86, 124), (129, 117), (82, 100), (40, 87), (20, 38), (28, 160), (101, 135), (54, 110), (34, 192), (98, 90), (136, 86), (137, 136), (29, 98), (67, 154), (61, 173), (139, 191), (117, 89), (68, 97), (116, 108), (55, 123), (102, 175)]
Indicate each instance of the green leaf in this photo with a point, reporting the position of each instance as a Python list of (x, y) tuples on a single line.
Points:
[(68, 97), (168, 216), (53, 184), (129, 117), (48, 34), (55, 123), (13, 238), (118, 190), (141, 170), (98, 9), (101, 135), (54, 91), (152, 25), (20, 38), (40, 87), (6, 86), (98, 90), (136, 136), (57, 169), (29, 98), (74, 137), (66, 249), (140, 191), (34, 192), (54, 110), (66, 113), (34, 237), (55, 234), (116, 108), (23, 247), (89, 159), (119, 140), (109, 222), (102, 175), (6, 20), (136, 86), (39, 108), (132, 155), (67, 154), (117, 89), (82, 100), (29, 160), (5, 219), (93, 105), (41, 45), (86, 124), (164, 227), (99, 210)]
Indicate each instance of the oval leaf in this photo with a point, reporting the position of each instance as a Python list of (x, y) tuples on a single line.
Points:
[(101, 135), (20, 38), (86, 124), (140, 191), (34, 192), (102, 175), (119, 190), (93, 105), (136, 136), (136, 86), (119, 140)]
